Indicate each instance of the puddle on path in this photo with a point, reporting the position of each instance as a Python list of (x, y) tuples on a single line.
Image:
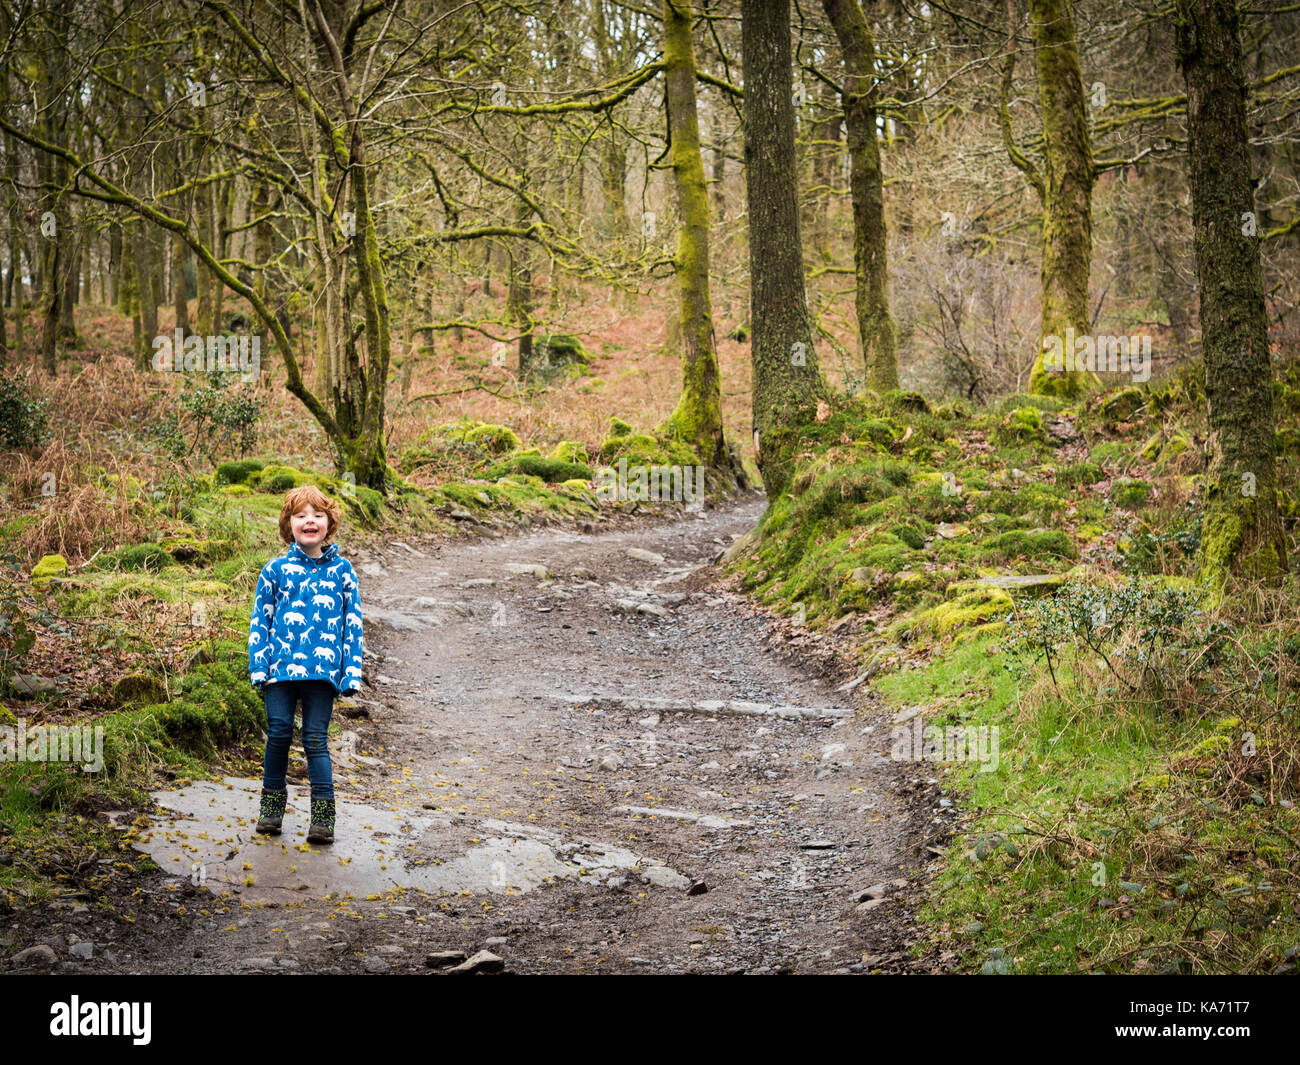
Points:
[(205, 833)]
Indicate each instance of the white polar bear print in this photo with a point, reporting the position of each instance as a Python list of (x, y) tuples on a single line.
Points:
[(325, 653), (326, 584), (329, 636), (296, 671), (322, 600), (292, 617)]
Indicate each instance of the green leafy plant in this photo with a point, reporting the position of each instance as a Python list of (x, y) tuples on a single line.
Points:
[(23, 420)]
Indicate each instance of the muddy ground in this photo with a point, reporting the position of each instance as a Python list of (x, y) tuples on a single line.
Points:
[(580, 749)]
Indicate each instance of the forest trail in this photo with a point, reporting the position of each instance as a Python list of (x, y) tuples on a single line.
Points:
[(496, 784)]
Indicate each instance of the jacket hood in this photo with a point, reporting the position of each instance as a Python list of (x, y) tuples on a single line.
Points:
[(329, 553)]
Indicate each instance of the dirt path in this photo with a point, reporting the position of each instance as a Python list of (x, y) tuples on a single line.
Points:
[(575, 754)]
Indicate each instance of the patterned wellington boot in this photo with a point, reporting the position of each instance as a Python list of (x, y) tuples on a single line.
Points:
[(272, 811), (322, 821)]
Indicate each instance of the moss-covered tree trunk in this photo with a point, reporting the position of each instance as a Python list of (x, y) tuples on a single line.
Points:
[(787, 380), (1242, 532), (698, 417), (1064, 188), (866, 186)]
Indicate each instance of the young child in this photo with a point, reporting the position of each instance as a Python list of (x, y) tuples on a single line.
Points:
[(304, 643)]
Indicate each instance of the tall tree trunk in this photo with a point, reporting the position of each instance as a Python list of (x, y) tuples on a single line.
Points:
[(1064, 189), (1242, 532), (866, 185), (698, 417), (787, 379)]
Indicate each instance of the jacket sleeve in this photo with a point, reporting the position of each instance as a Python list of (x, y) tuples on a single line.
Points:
[(259, 628), (353, 644)]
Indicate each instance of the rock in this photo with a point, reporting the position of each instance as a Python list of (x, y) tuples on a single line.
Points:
[(482, 962), (817, 845), (645, 556), (1032, 584), (40, 954), (870, 904), (442, 958), (875, 891), (84, 949), (495, 941), (31, 684), (263, 964), (832, 749), (652, 610), (374, 964), (698, 888), (738, 547), (610, 762), (528, 568), (947, 531), (138, 689), (662, 876), (461, 515)]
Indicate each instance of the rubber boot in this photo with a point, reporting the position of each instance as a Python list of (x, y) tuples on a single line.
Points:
[(271, 815), (322, 821)]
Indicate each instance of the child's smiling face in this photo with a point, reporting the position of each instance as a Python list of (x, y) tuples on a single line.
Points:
[(310, 526)]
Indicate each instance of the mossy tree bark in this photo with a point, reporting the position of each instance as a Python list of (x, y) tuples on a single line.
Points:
[(698, 417), (1242, 533), (866, 187), (787, 379), (1064, 187)]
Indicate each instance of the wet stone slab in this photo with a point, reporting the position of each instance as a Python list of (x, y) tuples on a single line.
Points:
[(205, 833)]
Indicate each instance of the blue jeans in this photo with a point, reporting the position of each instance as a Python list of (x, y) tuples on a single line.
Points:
[(317, 705)]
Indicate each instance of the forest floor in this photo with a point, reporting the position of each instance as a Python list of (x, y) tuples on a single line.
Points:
[(615, 762)]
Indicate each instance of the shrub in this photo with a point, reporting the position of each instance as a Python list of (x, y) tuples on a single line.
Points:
[(23, 420)]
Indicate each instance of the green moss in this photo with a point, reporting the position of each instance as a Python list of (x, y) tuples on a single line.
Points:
[(49, 566), (618, 427), (1080, 473), (557, 350), (569, 451), (1045, 545), (148, 558), (497, 439), (1107, 453), (1129, 492), (232, 473), (1021, 425), (549, 470), (1123, 405), (910, 401), (976, 607), (913, 538)]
